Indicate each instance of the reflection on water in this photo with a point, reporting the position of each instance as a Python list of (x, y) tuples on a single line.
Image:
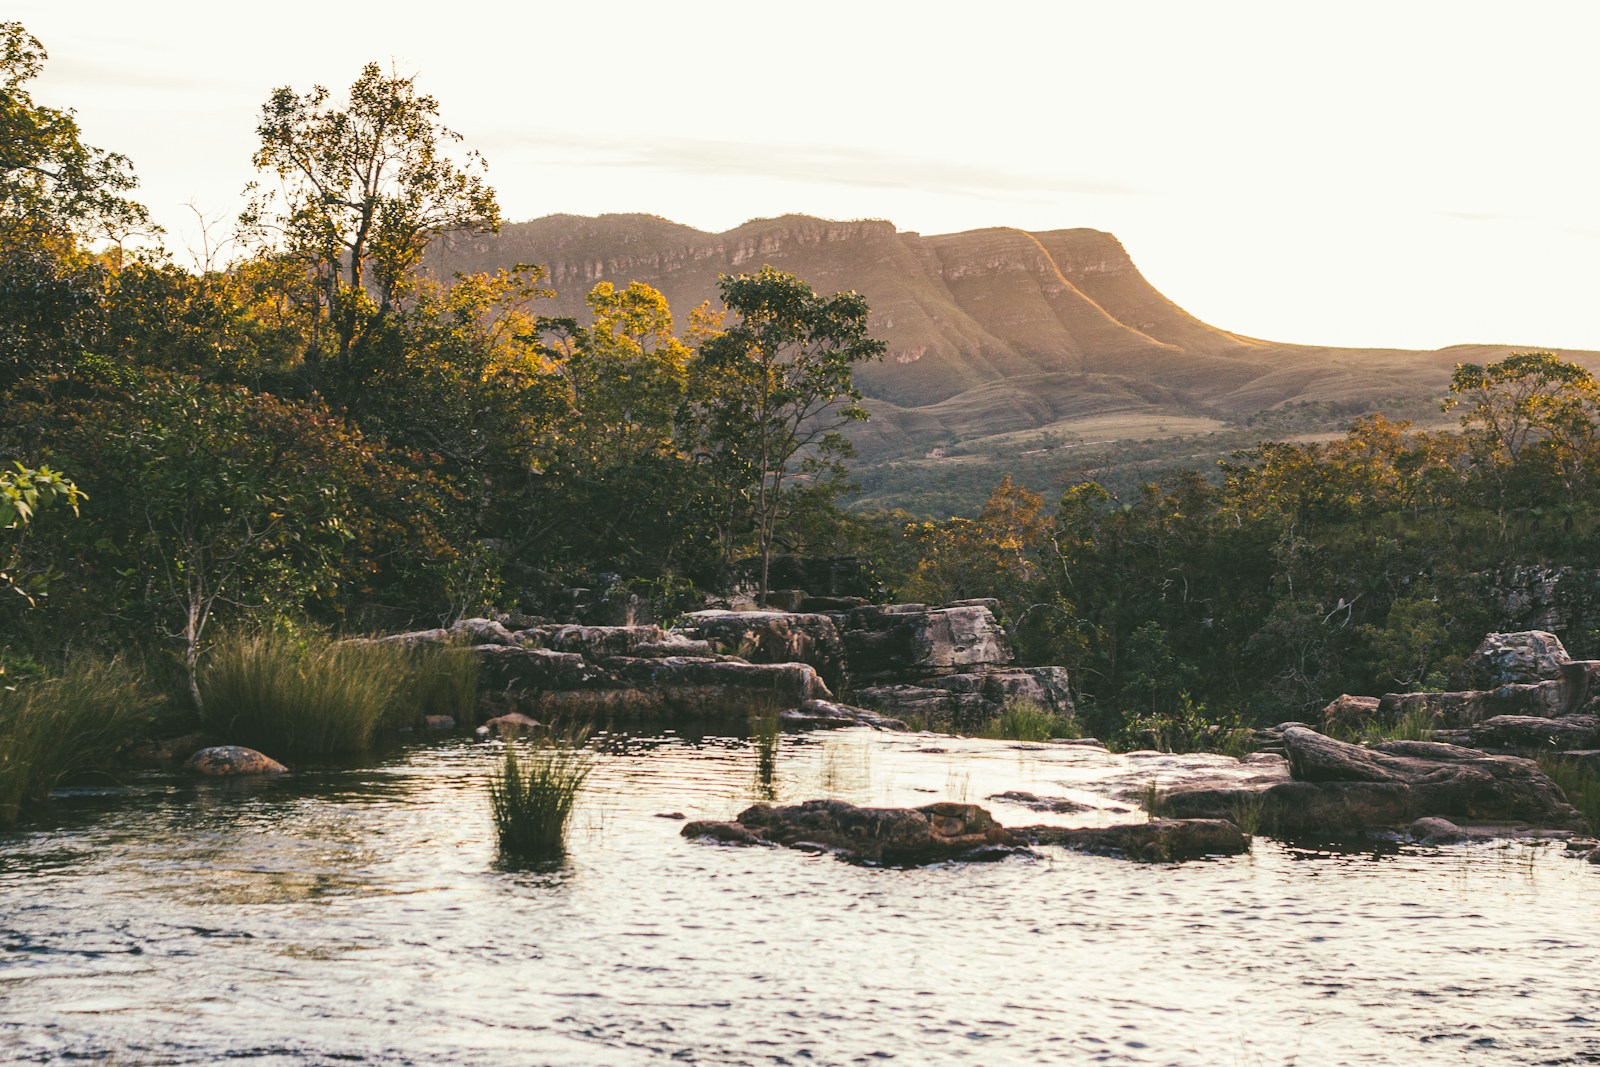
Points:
[(362, 914)]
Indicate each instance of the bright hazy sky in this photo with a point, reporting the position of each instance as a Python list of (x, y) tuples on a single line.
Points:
[(1397, 173)]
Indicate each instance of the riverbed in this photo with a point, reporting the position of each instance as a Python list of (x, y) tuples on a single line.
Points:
[(362, 914)]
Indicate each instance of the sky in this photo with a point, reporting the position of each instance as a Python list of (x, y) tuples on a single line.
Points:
[(1406, 173)]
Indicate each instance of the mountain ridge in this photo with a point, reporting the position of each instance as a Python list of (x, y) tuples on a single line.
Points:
[(989, 331)]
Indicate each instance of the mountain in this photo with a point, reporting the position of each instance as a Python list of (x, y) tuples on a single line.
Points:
[(1001, 341)]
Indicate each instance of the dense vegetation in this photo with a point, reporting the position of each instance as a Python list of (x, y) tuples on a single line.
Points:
[(320, 436)]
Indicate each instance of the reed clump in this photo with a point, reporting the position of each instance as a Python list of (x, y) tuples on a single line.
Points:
[(1020, 719), (311, 695), (59, 725), (533, 791), (1580, 784)]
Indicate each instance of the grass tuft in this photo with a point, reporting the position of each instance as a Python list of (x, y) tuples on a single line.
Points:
[(532, 793), (1580, 784), (1021, 719), (1415, 725), (56, 726), (310, 695)]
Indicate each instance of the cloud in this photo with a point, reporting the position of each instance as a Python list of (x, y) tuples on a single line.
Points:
[(811, 163)]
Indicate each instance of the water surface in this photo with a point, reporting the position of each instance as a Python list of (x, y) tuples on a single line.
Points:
[(362, 915)]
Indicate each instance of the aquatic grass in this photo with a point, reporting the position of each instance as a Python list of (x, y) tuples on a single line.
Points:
[(764, 738), (1248, 812), (533, 791), (1021, 719), (1580, 784), (1154, 799), (56, 726)]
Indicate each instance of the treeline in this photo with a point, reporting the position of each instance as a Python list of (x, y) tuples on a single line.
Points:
[(1369, 564), (317, 431)]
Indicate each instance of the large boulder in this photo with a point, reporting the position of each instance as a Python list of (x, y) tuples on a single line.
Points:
[(1522, 658), (1340, 789), (903, 642), (864, 835), (593, 642), (773, 637), (965, 702), (1537, 733), (232, 761)]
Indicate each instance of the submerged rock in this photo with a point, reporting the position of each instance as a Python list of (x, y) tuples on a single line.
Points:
[(865, 835), (1156, 841), (227, 761)]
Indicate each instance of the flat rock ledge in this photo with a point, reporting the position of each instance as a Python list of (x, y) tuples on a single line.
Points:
[(952, 831), (1336, 789)]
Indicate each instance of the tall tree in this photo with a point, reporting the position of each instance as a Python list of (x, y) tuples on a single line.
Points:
[(776, 388), (362, 190)]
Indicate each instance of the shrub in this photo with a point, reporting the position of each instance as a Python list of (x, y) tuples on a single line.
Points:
[(532, 793), (1188, 728), (1021, 719), (56, 726)]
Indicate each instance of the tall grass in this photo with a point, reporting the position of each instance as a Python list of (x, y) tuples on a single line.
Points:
[(765, 736), (56, 726), (1021, 719), (1579, 783), (310, 695), (1416, 725), (532, 793)]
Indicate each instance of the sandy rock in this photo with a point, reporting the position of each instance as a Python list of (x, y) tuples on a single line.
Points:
[(827, 713), (902, 641), (773, 637), (1348, 713), (1538, 733), (511, 724), (1435, 831), (1525, 657), (228, 761)]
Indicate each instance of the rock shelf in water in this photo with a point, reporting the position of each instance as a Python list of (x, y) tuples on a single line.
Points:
[(952, 831)]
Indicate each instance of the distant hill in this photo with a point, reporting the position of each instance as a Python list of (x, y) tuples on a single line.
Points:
[(1002, 342)]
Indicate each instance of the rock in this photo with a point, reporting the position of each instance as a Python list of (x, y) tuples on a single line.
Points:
[(595, 642), (826, 713), (677, 815), (481, 632), (1529, 656), (899, 836), (1436, 831), (898, 641), (556, 685), (964, 703), (1341, 789), (1059, 805), (1156, 841), (773, 637), (1537, 732), (511, 724), (228, 761), (438, 722), (1348, 714)]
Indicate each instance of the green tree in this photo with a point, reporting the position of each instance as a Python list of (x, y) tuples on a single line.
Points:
[(362, 190), (776, 388)]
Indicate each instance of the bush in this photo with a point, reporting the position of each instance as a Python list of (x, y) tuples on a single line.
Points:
[(60, 725), (1023, 720), (533, 792), (311, 695)]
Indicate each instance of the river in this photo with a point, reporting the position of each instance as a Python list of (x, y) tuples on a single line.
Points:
[(361, 914)]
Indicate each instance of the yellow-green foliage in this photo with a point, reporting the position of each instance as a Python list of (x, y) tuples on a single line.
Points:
[(532, 793), (54, 726)]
